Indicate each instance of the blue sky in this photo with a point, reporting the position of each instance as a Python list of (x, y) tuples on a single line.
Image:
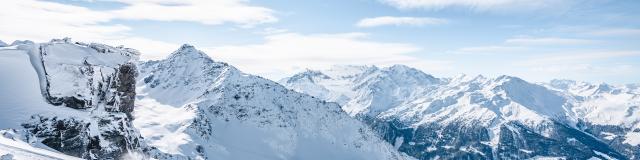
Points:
[(538, 40)]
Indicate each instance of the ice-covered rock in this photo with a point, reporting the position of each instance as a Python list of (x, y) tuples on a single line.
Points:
[(71, 97)]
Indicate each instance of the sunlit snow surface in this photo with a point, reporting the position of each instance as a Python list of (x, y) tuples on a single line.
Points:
[(163, 126), (20, 95)]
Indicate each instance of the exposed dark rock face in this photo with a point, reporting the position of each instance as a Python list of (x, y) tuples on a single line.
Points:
[(516, 141), (613, 136), (126, 88), (74, 137), (65, 135)]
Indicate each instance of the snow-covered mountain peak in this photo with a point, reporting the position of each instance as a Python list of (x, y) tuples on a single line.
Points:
[(307, 75), (562, 83), (585, 89), (401, 68), (2, 44), (187, 71), (464, 79), (19, 42), (348, 71), (359, 73), (213, 111), (406, 73), (537, 98), (188, 51)]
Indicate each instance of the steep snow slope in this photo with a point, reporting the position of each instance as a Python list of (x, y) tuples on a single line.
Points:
[(611, 112), (602, 104), (21, 96), (192, 106), (459, 117), (12, 146)]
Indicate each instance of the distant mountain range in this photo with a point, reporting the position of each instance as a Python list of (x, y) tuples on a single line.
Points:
[(475, 117)]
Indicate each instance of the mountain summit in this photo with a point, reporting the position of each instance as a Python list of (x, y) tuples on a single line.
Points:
[(192, 106)]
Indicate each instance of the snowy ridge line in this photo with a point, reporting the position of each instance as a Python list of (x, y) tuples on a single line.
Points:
[(233, 115), (402, 102)]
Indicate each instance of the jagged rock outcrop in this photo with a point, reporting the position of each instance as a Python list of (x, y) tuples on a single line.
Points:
[(98, 83)]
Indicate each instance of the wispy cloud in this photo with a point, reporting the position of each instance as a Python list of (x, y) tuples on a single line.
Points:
[(490, 49), (43, 20), (399, 21), (548, 41), (479, 5), (286, 53), (211, 12), (271, 30)]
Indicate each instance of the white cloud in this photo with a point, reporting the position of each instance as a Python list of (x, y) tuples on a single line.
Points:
[(284, 54), (399, 21), (549, 41), (41, 20), (211, 12), (271, 30), (480, 5), (490, 49)]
